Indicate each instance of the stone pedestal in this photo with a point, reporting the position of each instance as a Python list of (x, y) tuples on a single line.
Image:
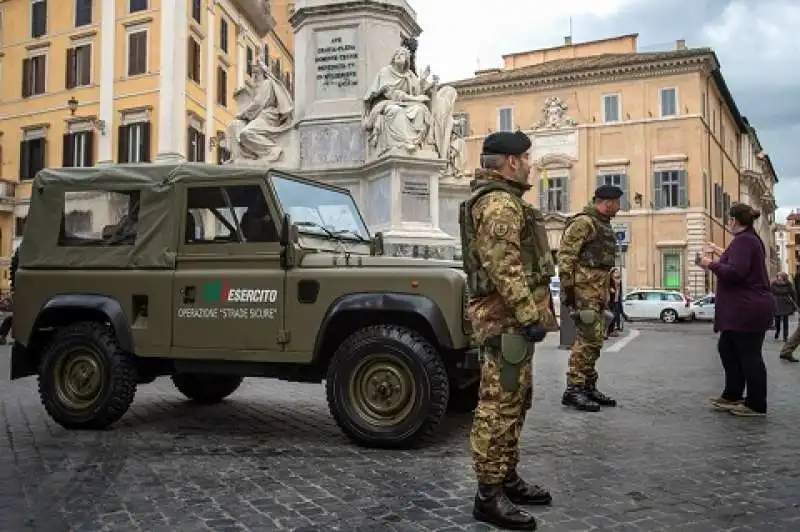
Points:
[(405, 198), (340, 46)]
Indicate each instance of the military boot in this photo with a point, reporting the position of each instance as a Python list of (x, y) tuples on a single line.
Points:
[(520, 492), (599, 397), (576, 397), (493, 507)]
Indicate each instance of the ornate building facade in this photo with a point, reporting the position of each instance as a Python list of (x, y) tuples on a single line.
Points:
[(661, 125), (141, 81)]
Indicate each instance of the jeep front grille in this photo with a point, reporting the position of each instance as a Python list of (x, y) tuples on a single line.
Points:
[(466, 325)]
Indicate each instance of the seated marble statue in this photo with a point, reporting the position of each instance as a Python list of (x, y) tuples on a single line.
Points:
[(268, 115), (398, 111)]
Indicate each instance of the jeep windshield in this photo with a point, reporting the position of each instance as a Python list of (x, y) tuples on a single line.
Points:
[(319, 210)]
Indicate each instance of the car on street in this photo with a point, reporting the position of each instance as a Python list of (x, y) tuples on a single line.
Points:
[(703, 308), (667, 305), (555, 293), (210, 274)]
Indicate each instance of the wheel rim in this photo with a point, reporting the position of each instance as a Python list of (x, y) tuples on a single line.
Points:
[(78, 379), (669, 316), (382, 390)]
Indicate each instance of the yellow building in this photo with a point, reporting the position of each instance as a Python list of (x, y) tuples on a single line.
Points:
[(141, 81), (661, 125)]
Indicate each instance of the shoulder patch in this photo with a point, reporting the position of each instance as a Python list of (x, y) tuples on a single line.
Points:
[(499, 229)]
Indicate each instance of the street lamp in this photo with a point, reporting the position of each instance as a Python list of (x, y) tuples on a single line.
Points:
[(99, 125)]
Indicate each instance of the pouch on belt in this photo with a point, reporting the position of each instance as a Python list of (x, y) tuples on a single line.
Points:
[(516, 351), (585, 319)]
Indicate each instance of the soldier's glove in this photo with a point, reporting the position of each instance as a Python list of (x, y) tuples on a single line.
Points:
[(568, 296), (536, 332)]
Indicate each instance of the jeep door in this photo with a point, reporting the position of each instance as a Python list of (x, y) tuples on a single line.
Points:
[(229, 286)]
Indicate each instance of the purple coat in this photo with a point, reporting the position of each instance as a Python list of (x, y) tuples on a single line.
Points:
[(744, 300)]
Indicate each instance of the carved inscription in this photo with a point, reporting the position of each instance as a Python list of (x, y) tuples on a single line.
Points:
[(415, 200), (336, 59)]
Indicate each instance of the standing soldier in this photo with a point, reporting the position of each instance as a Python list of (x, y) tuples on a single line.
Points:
[(508, 264), (587, 253)]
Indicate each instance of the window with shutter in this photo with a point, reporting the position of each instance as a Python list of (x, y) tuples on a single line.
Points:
[(38, 18), (505, 119), (137, 53), (33, 75), (194, 60), (32, 157), (195, 146), (197, 10), (669, 102), (83, 12), (79, 66), (611, 108), (670, 188), (223, 35), (222, 86), (249, 61), (134, 143), (137, 5), (78, 149)]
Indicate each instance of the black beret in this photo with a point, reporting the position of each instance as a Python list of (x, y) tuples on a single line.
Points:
[(608, 192), (506, 143)]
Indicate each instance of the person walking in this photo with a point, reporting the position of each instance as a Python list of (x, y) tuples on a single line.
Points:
[(615, 302), (785, 303), (508, 264), (586, 255), (743, 312)]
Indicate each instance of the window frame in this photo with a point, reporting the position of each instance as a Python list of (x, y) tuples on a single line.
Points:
[(78, 11), (32, 19), (130, 32), (500, 110), (139, 10), (228, 247), (618, 99), (661, 92)]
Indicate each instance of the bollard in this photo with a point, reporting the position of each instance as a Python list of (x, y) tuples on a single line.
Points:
[(567, 332)]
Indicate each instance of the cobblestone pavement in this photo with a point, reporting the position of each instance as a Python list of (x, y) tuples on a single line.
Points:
[(270, 458)]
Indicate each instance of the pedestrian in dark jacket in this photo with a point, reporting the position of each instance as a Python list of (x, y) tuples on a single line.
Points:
[(744, 309), (785, 299)]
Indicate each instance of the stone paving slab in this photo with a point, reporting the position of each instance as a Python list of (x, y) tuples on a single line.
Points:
[(271, 458)]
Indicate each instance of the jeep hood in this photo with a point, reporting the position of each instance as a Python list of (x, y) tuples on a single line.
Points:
[(327, 260)]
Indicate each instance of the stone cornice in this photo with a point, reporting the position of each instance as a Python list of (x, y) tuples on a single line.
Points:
[(581, 77), (303, 13)]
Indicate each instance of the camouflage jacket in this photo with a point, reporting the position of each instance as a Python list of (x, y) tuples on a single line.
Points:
[(586, 256), (508, 274)]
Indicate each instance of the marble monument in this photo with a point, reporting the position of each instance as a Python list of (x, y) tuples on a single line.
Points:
[(362, 118)]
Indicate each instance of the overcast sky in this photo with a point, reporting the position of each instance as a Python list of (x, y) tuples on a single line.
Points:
[(757, 41)]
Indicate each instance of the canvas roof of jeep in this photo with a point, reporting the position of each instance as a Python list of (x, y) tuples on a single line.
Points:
[(158, 221)]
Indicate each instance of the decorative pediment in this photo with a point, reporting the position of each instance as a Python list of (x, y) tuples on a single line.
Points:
[(554, 160), (554, 115)]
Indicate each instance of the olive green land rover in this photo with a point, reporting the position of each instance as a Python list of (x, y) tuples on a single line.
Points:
[(210, 274)]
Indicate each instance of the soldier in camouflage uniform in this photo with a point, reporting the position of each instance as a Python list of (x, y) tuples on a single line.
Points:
[(508, 264), (586, 255)]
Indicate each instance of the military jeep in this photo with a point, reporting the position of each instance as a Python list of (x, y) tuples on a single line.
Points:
[(209, 274)]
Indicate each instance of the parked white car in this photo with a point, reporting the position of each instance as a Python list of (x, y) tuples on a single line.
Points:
[(666, 305), (555, 293), (703, 308)]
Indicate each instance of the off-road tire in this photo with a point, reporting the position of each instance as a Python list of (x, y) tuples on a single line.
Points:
[(463, 400), (117, 366), (425, 367), (206, 388), (666, 313)]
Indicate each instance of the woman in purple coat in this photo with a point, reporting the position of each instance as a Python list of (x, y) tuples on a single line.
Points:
[(743, 312)]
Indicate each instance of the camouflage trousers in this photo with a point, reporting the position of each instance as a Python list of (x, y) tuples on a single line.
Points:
[(499, 417), (791, 344), (585, 352)]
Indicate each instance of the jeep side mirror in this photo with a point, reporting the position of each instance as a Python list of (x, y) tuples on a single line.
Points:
[(377, 244), (289, 234)]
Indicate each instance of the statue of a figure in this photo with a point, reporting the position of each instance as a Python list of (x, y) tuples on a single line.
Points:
[(407, 112), (456, 160), (268, 115)]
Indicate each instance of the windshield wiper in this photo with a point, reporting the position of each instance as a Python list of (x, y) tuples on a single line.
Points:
[(352, 233)]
